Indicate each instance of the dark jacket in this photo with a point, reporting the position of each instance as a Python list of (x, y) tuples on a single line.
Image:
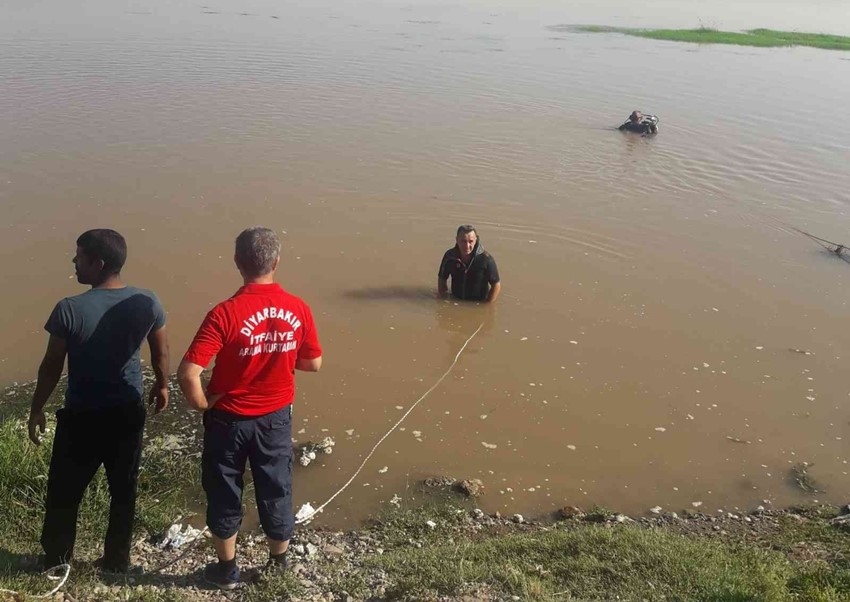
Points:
[(647, 125), (470, 282)]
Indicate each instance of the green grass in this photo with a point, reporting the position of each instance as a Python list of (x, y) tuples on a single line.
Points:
[(802, 558), (166, 480), (754, 37), (591, 563)]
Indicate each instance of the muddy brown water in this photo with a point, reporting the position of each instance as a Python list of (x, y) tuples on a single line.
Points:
[(654, 289)]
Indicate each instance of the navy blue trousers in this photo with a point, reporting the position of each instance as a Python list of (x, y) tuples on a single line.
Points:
[(231, 441)]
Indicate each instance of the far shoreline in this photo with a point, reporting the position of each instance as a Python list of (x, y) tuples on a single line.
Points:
[(761, 37)]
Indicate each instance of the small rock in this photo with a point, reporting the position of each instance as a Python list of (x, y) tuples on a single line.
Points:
[(299, 549), (518, 518), (568, 512), (332, 550), (439, 482), (311, 549), (622, 518), (470, 487), (431, 524), (477, 513)]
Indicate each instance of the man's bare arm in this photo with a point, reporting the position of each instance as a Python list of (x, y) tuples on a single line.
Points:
[(442, 287), (495, 290), (189, 377), (49, 373), (158, 342), (312, 365)]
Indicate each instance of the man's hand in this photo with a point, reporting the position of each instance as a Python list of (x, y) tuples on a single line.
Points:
[(37, 423), (158, 398)]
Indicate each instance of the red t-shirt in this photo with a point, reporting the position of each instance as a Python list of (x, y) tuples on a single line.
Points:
[(256, 336)]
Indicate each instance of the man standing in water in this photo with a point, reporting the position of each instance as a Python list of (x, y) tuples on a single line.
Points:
[(473, 270), (101, 332), (259, 337)]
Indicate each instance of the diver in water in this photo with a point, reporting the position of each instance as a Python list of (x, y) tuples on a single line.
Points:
[(639, 123)]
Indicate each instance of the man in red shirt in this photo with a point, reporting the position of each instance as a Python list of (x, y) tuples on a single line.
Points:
[(259, 337)]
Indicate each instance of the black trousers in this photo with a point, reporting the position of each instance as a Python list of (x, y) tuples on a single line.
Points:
[(83, 441)]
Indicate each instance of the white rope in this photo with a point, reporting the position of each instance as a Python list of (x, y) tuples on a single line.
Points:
[(387, 434), (50, 575), (191, 544)]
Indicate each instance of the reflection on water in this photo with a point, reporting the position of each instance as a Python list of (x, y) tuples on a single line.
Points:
[(654, 289)]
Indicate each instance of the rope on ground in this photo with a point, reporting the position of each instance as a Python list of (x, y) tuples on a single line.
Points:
[(387, 434), (51, 574), (191, 544)]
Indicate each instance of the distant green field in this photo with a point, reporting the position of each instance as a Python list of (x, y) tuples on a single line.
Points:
[(752, 37)]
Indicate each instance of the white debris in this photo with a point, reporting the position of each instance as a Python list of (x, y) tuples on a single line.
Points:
[(488, 445), (349, 432), (655, 509), (396, 500), (417, 433), (305, 513), (571, 447), (431, 524), (696, 504), (310, 450), (177, 536), (573, 342), (384, 469), (660, 429), (760, 347)]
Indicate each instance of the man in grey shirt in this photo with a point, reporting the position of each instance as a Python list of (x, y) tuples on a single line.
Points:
[(101, 332)]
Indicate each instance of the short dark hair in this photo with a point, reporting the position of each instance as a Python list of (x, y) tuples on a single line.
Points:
[(465, 229), (257, 248), (105, 245)]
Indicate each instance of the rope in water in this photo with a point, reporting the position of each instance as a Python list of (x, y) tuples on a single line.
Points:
[(387, 434), (191, 544), (832, 247), (304, 519)]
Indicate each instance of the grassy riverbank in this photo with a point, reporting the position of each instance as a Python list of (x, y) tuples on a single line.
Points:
[(434, 546), (764, 38)]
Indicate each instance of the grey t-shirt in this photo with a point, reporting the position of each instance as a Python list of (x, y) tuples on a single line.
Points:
[(104, 330)]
